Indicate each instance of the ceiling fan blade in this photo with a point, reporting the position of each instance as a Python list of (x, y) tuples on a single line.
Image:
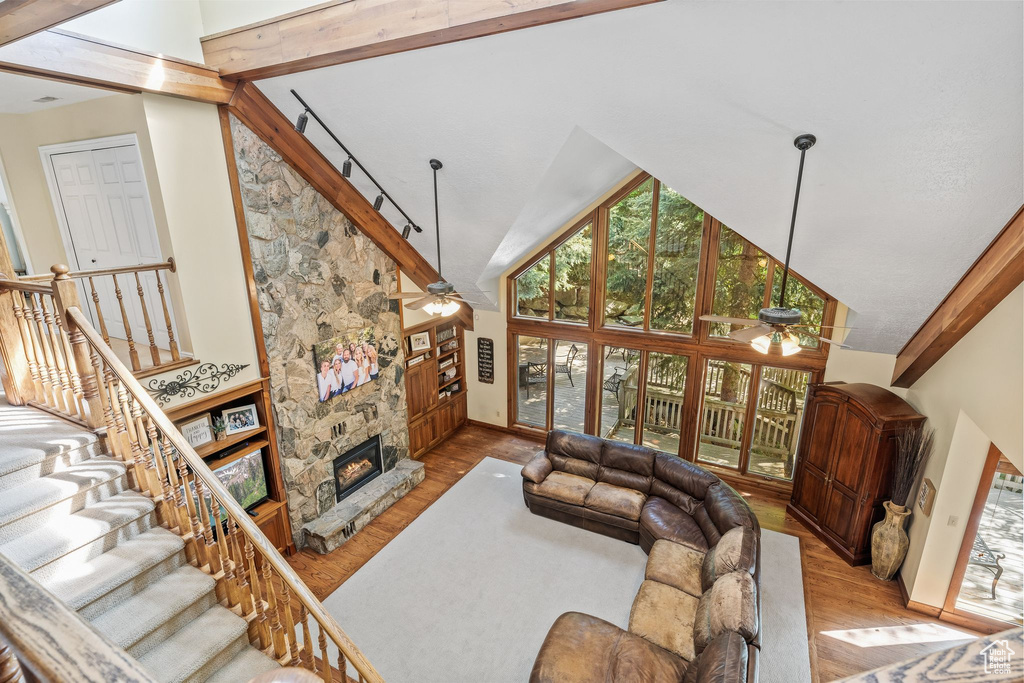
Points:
[(456, 297), (826, 327), (751, 333), (731, 321), (825, 339), (407, 295), (420, 303)]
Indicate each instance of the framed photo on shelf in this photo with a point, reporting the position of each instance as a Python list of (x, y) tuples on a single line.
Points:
[(198, 430), (241, 419), (419, 342)]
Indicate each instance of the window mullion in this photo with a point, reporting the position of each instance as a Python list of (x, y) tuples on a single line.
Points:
[(649, 287), (753, 391)]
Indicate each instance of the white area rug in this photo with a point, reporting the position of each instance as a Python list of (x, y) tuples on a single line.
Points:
[(467, 592)]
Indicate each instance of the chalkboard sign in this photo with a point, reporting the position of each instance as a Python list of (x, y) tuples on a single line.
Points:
[(485, 360)]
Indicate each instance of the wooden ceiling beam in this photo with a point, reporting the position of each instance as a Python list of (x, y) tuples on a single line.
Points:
[(350, 30), (21, 18), (261, 116), (996, 273), (73, 58)]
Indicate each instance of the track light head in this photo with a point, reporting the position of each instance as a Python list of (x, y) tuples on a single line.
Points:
[(406, 231), (417, 228), (346, 168), (378, 202), (300, 124)]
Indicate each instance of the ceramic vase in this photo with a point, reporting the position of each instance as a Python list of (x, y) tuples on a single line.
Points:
[(889, 542)]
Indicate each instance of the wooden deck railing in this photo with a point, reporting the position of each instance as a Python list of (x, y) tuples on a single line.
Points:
[(54, 358), (104, 287)]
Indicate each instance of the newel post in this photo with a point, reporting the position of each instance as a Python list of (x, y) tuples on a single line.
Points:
[(14, 365), (65, 296)]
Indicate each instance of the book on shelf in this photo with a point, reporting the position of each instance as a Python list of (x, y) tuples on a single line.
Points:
[(445, 364), (417, 359)]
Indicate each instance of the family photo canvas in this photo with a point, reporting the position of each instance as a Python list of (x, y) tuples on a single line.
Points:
[(344, 363)]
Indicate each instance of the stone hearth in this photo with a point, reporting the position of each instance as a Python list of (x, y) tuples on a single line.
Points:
[(338, 524)]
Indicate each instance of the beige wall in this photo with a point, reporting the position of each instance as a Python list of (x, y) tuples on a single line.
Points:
[(186, 174)]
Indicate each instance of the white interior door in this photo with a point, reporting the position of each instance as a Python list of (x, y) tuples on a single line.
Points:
[(109, 221)]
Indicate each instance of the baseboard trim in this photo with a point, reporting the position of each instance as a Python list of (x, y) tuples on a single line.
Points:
[(523, 433)]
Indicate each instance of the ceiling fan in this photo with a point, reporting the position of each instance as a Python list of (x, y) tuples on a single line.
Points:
[(441, 298), (779, 320)]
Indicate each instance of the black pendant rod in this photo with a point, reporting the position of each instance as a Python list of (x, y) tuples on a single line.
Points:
[(437, 165), (356, 161), (803, 143)]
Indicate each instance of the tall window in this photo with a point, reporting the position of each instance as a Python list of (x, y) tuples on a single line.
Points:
[(653, 263), (569, 300)]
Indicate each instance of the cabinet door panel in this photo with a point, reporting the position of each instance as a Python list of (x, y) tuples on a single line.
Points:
[(837, 516), (809, 492), (822, 430), (854, 440), (421, 389)]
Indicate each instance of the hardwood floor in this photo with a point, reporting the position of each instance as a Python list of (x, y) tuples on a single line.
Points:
[(846, 606)]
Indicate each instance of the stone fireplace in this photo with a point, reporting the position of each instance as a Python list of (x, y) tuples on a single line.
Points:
[(356, 467)]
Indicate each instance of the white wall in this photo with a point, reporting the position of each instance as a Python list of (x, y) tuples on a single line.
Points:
[(166, 27), (223, 15)]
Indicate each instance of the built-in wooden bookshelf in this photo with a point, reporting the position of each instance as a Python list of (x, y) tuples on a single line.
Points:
[(435, 383), (271, 516)]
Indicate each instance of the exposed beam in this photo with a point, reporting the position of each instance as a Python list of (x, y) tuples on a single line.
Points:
[(261, 116), (72, 58), (21, 18), (350, 30), (996, 273)]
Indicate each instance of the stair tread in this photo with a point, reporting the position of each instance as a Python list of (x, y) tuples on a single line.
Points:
[(31, 436), (246, 665), (115, 567), (188, 650), (33, 496), (137, 617), (58, 537)]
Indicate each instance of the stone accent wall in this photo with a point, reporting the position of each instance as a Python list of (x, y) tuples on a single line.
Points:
[(318, 278)]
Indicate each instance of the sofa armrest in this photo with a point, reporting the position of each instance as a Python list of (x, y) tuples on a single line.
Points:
[(538, 468)]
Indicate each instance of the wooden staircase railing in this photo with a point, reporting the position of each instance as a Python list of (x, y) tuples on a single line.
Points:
[(134, 281), (55, 359)]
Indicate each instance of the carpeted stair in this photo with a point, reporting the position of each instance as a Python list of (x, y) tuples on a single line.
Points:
[(69, 517)]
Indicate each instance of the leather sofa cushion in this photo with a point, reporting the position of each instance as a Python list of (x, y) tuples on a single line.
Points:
[(722, 661), (538, 468), (665, 616), (662, 519), (562, 486), (616, 500), (627, 465), (580, 648), (578, 454), (735, 551), (675, 565), (692, 480), (683, 501), (727, 509), (729, 605)]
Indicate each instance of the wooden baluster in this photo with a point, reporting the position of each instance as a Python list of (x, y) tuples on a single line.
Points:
[(241, 572), (138, 460), (42, 340), (152, 476), (99, 312), (154, 351), (199, 525), (184, 524), (175, 355), (212, 549), (118, 397), (276, 632), (325, 662), (307, 642), (65, 294), (45, 395), (99, 370), (226, 588), (10, 667), (74, 374), (289, 625), (167, 511), (56, 347), (132, 353), (36, 388), (257, 598), (189, 511), (343, 666)]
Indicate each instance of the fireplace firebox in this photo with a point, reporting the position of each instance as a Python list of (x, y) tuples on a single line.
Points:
[(356, 467)]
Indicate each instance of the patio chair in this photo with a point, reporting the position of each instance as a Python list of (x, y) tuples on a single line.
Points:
[(536, 373)]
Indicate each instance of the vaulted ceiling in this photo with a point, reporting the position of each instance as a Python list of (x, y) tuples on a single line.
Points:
[(917, 108)]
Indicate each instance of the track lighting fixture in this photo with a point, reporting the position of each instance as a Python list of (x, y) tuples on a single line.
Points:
[(346, 167)]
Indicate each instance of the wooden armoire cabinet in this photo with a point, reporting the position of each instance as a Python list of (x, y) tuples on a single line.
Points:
[(844, 468)]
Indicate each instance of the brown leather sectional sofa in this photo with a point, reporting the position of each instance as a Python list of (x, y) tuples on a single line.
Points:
[(696, 617)]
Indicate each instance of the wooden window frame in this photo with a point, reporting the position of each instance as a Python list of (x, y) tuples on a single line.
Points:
[(949, 611), (698, 346)]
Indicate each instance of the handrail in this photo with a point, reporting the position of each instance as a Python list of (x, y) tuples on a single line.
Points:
[(22, 286), (225, 499), (42, 639), (121, 270)]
